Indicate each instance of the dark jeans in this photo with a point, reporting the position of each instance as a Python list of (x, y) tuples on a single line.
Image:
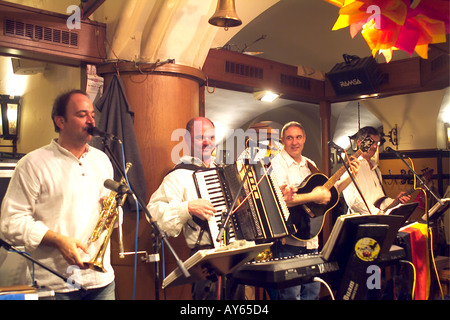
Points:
[(104, 293)]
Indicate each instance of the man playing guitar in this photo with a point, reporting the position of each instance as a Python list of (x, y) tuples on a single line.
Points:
[(369, 180), (290, 168)]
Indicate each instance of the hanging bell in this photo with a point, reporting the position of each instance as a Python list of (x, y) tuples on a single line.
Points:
[(225, 15)]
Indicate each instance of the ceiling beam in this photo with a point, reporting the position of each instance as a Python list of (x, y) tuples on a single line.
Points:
[(236, 71), (27, 32), (88, 7)]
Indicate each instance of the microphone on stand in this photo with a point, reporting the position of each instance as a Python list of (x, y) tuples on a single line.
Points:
[(96, 132), (257, 143), (335, 146), (399, 154), (117, 187), (389, 149)]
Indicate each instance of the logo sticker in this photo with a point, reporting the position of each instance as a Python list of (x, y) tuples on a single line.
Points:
[(367, 249)]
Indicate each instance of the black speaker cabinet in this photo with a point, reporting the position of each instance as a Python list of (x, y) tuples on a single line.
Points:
[(355, 76)]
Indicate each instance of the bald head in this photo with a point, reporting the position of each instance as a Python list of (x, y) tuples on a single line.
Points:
[(201, 138)]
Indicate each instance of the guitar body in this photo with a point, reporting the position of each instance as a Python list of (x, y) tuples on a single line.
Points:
[(308, 218)]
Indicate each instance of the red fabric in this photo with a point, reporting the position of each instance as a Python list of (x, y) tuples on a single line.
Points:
[(419, 252)]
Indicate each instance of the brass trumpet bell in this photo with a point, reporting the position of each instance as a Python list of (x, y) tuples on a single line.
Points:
[(225, 15)]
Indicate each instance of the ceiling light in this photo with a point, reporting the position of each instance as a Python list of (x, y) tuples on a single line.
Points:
[(267, 96)]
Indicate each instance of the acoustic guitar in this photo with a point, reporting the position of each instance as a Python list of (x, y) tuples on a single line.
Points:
[(308, 218)]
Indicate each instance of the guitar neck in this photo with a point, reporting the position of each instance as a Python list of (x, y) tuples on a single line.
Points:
[(337, 175), (397, 201)]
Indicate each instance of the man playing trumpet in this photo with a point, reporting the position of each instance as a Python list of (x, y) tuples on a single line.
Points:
[(53, 197)]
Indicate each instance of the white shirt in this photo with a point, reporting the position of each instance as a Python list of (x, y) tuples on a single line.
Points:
[(287, 171), (52, 189), (369, 182), (169, 205)]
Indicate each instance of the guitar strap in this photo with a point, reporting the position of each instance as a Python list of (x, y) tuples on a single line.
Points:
[(312, 167), (378, 203), (377, 172)]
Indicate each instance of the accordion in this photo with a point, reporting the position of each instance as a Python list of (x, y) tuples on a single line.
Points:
[(259, 213)]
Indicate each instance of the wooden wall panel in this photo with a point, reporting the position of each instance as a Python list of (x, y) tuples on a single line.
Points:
[(163, 101)]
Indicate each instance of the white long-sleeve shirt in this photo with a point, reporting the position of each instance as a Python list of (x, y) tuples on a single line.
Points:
[(53, 190), (169, 205), (369, 182), (287, 171)]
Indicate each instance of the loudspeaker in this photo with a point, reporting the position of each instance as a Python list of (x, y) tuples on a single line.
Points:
[(355, 76)]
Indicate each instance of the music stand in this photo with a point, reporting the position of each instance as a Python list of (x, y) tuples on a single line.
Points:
[(437, 210), (403, 210), (357, 242), (344, 231), (71, 281), (215, 262)]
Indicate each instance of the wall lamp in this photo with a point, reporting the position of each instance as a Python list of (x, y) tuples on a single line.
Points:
[(10, 119)]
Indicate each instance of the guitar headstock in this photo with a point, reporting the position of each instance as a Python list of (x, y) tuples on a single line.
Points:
[(427, 174), (366, 143)]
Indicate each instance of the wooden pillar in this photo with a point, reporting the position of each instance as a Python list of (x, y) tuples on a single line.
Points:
[(325, 115), (163, 100)]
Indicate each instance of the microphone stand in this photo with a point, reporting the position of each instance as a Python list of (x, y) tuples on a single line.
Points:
[(156, 247), (9, 247), (340, 149), (401, 157), (153, 222), (224, 225), (356, 185)]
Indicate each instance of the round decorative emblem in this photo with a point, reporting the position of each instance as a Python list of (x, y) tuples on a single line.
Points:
[(367, 249)]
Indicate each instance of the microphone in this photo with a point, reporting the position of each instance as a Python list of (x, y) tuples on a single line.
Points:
[(257, 144), (335, 146), (389, 149), (117, 187), (96, 132)]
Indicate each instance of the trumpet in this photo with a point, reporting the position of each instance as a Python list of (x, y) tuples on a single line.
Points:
[(104, 227)]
